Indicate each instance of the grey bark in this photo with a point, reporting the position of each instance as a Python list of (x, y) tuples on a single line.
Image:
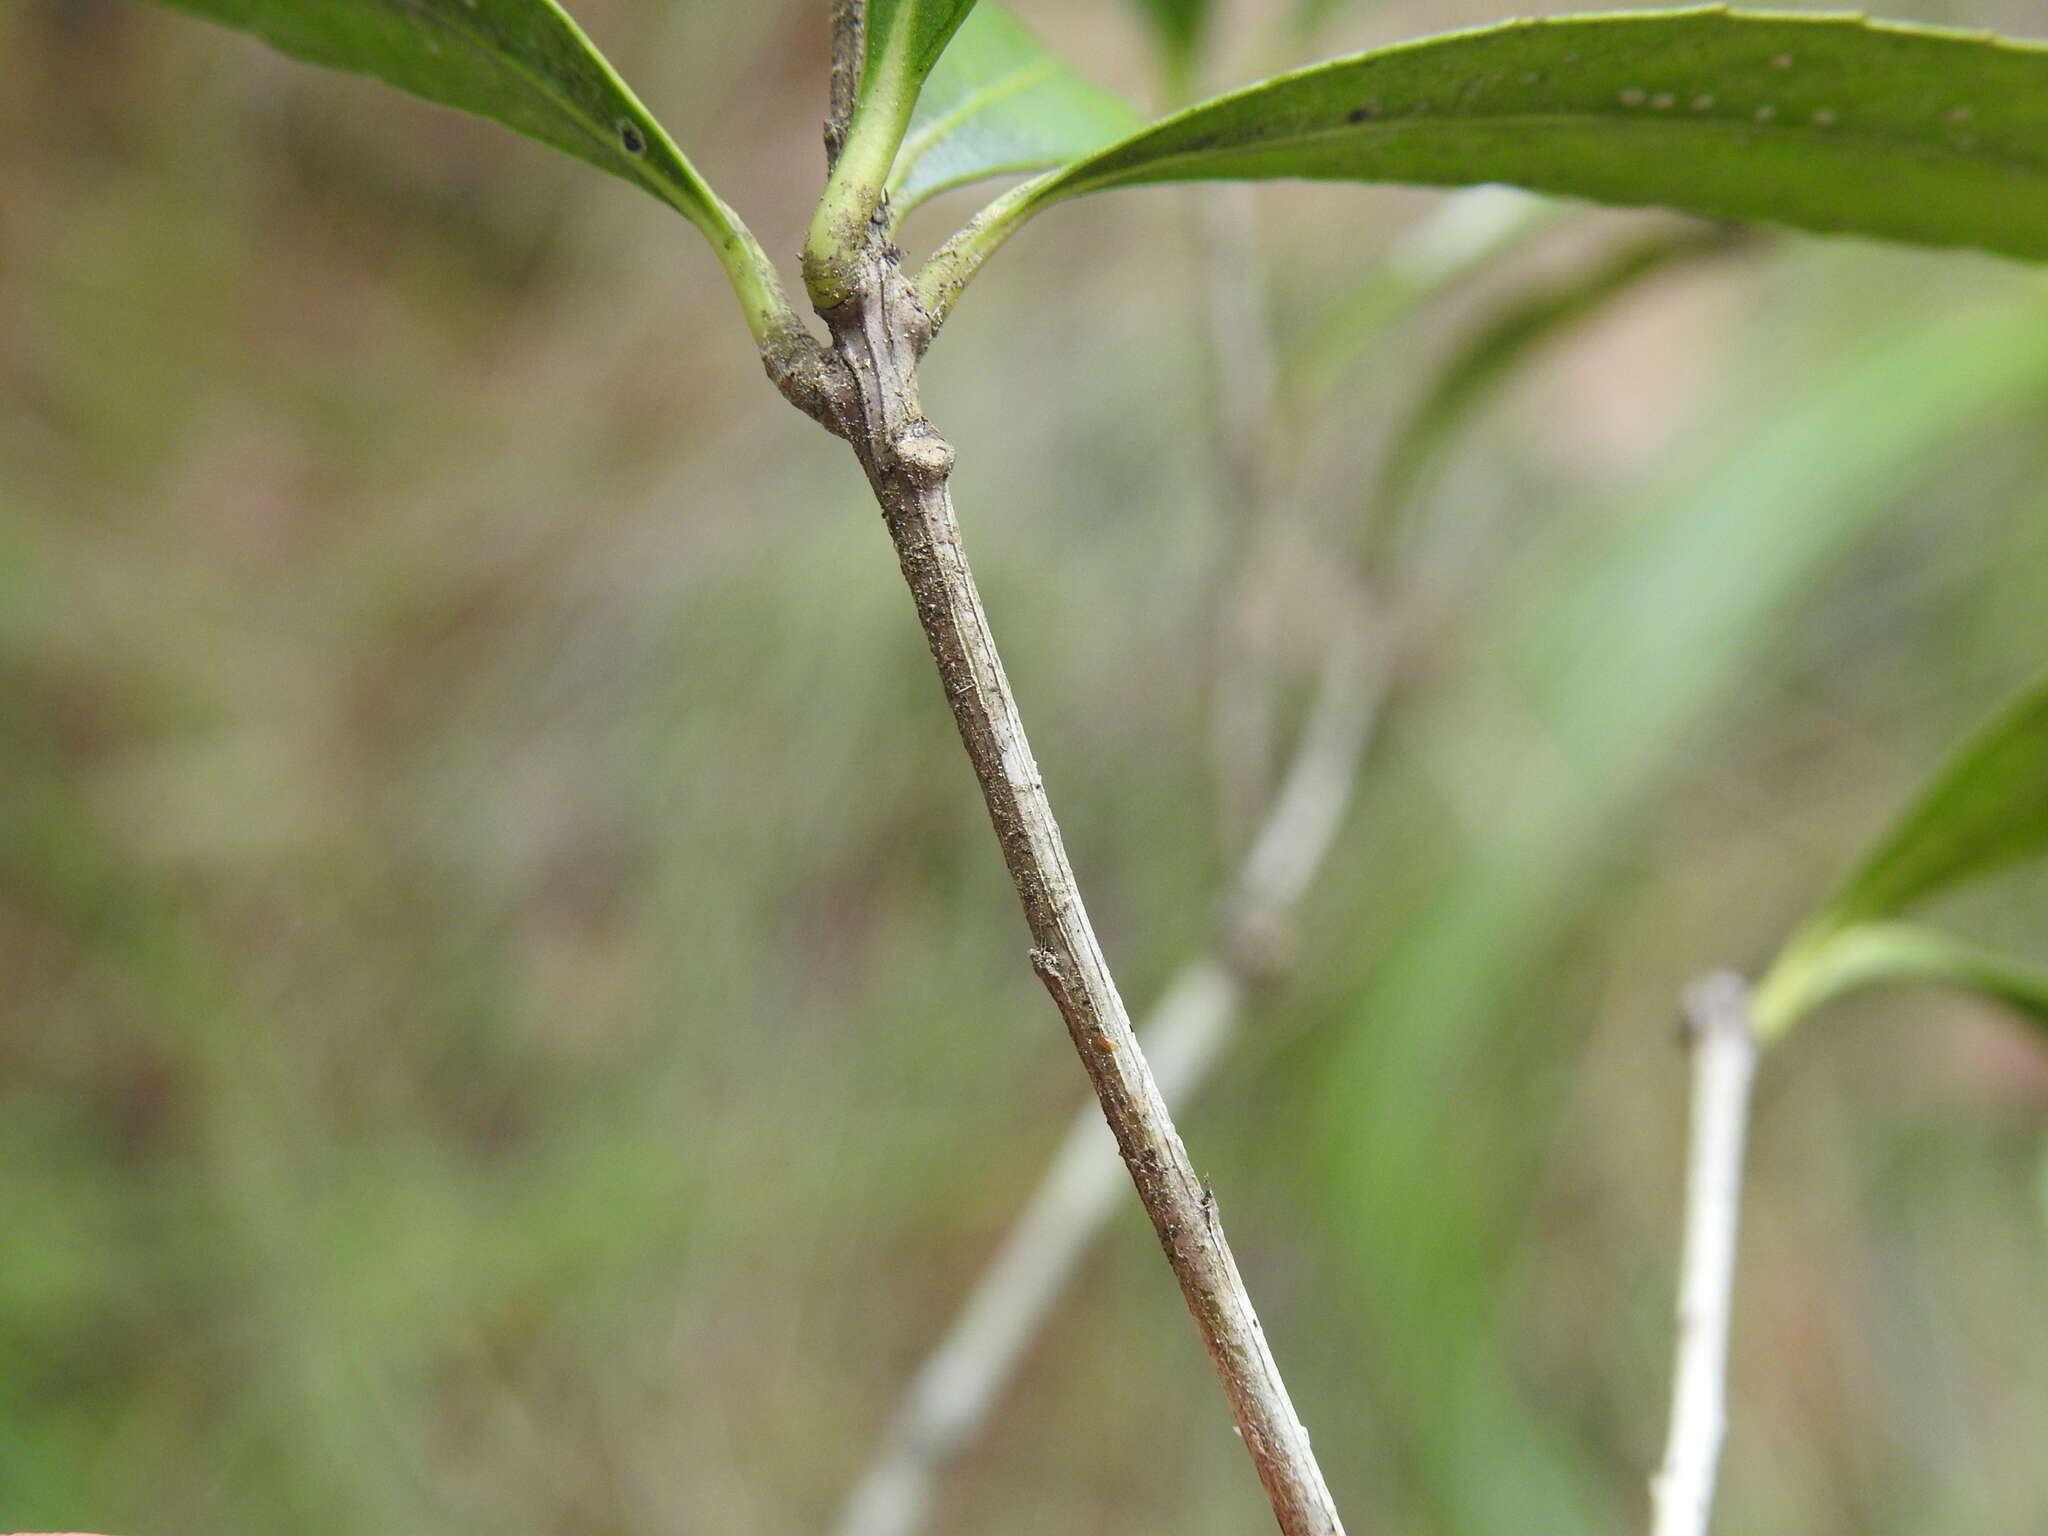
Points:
[(955, 1389)]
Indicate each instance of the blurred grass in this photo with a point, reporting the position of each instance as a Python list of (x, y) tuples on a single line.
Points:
[(511, 1018)]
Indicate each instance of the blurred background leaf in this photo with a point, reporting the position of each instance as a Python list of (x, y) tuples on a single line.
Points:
[(1983, 811), (1180, 30), (1872, 954), (1509, 338), (501, 963)]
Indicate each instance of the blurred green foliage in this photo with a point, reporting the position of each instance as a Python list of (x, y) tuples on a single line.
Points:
[(512, 1019)]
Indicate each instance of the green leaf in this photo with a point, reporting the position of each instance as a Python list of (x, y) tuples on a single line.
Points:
[(522, 63), (997, 103), (1826, 123), (1888, 954), (1985, 810)]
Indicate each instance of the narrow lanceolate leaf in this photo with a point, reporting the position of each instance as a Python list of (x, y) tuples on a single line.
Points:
[(1825, 123), (1000, 102), (1986, 809), (523, 63)]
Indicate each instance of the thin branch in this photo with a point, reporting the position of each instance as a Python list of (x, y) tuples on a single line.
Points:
[(949, 1399), (1724, 1055), (880, 332), (1191, 1027)]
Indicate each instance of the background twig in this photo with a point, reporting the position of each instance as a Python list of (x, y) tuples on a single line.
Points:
[(1723, 1064)]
